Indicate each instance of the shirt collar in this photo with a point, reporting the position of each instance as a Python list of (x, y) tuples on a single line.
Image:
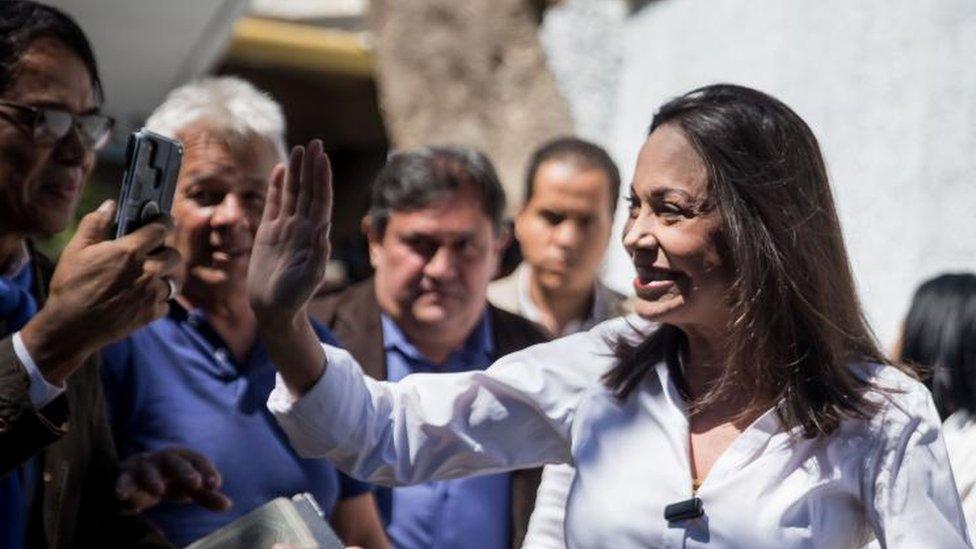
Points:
[(194, 322), (530, 311), (479, 346)]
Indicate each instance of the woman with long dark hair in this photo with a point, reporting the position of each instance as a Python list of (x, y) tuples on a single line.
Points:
[(745, 405), (939, 335)]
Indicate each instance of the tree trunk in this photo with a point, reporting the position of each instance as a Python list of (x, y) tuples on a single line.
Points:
[(468, 72)]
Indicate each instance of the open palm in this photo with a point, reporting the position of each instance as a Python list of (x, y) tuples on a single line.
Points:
[(292, 243)]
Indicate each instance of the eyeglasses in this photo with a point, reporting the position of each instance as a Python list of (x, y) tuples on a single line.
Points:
[(48, 125)]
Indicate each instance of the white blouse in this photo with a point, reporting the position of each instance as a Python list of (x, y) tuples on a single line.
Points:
[(886, 479), (545, 530), (960, 438)]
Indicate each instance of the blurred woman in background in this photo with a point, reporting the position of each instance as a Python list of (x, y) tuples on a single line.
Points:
[(940, 336)]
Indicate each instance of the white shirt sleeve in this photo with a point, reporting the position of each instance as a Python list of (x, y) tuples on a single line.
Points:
[(517, 414), (40, 390), (546, 525), (911, 484)]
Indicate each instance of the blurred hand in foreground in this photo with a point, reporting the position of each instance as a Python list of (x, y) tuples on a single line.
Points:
[(173, 474)]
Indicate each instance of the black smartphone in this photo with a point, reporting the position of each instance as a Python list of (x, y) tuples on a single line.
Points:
[(152, 165)]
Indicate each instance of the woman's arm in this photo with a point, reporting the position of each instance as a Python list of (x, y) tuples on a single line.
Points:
[(514, 415), (288, 261), (426, 427)]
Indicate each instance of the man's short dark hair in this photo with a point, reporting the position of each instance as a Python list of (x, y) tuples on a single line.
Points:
[(22, 22), (416, 178), (582, 153)]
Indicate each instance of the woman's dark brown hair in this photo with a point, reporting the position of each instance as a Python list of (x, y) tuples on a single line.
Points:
[(797, 324)]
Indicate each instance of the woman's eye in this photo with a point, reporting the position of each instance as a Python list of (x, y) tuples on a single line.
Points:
[(670, 208)]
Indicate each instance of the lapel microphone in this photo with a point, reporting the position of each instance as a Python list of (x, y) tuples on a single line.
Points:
[(684, 510)]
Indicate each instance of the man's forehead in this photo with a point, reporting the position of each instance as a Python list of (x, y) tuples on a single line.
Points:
[(570, 177), (41, 77), (203, 147), (439, 222), (208, 134), (215, 172)]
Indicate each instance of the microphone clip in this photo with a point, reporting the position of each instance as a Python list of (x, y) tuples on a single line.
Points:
[(684, 510)]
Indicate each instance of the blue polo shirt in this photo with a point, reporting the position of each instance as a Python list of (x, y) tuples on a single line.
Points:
[(175, 382), (467, 513)]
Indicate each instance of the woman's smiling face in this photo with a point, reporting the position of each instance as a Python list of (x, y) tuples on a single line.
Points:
[(673, 234)]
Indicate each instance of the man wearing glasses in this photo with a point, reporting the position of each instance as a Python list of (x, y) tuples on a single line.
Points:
[(58, 468)]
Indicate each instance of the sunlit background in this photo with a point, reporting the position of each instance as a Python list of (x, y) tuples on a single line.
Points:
[(887, 86)]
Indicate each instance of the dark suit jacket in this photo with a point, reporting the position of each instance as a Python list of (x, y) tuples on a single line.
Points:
[(353, 315), (75, 505)]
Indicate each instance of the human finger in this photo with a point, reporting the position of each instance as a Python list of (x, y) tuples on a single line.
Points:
[(292, 179), (307, 179), (161, 309), (125, 485), (147, 238), (211, 499), (272, 200), (179, 472), (148, 478), (140, 500), (321, 208), (320, 249), (93, 228), (127, 490), (150, 290), (206, 468), (163, 261)]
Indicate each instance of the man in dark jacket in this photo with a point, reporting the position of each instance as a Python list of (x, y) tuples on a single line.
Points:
[(435, 234), (59, 485)]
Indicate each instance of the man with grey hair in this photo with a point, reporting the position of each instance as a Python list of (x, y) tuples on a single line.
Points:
[(199, 376), (231, 105), (435, 234)]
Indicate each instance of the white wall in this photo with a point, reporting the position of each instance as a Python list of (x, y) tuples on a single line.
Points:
[(145, 48), (888, 86)]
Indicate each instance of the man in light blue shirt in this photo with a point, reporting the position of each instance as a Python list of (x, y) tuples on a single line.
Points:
[(468, 512)]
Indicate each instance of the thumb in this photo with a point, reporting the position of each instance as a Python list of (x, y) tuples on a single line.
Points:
[(94, 227)]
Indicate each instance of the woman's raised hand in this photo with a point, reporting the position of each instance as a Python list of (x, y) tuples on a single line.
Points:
[(292, 243)]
